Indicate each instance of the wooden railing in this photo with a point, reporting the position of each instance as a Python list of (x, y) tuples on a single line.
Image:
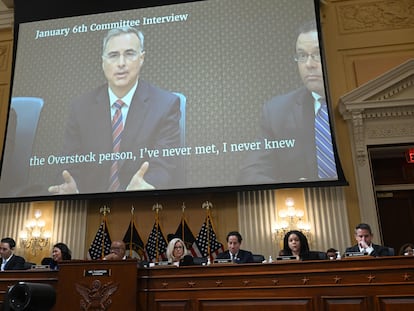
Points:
[(350, 284), (385, 284)]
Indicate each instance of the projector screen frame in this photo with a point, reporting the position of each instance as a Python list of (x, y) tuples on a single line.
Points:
[(24, 12)]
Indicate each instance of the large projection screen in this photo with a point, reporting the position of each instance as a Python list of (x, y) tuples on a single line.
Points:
[(208, 70)]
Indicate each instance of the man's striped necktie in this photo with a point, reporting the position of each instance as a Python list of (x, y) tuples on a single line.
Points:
[(324, 150), (117, 128)]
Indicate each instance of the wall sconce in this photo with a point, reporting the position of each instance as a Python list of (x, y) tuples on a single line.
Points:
[(291, 218), (34, 237)]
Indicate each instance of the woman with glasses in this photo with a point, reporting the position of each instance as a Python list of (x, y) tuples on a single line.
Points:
[(176, 251)]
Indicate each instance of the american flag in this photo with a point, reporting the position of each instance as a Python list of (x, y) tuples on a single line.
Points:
[(184, 233), (133, 242), (156, 239), (207, 237), (101, 243)]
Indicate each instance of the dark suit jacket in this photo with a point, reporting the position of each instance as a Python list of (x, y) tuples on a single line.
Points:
[(378, 251), (289, 118), (152, 123), (15, 263), (242, 256)]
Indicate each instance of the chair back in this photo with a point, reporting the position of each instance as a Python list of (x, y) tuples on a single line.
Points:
[(317, 255), (258, 258), (181, 169), (183, 102), (200, 261), (391, 251), (22, 128)]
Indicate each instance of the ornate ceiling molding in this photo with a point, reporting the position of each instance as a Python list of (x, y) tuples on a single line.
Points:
[(375, 15)]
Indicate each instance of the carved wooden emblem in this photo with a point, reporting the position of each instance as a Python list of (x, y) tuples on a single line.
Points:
[(97, 296)]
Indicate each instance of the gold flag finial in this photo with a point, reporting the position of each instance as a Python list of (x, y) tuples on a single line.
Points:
[(157, 207), (207, 205), (104, 210)]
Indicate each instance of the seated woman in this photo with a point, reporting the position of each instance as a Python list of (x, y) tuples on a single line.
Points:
[(60, 252), (407, 250), (176, 251), (296, 244)]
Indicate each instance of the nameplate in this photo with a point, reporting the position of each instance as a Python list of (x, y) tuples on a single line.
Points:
[(162, 263), (286, 258), (97, 272), (355, 254), (222, 261), (39, 267)]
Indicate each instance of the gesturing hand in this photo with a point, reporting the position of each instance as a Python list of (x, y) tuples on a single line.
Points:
[(68, 187), (138, 182)]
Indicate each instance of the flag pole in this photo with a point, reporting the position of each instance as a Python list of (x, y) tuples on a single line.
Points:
[(131, 224), (207, 205), (182, 221), (104, 210), (157, 207)]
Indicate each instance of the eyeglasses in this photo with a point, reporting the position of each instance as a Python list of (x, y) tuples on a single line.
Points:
[(178, 247), (129, 55), (303, 57)]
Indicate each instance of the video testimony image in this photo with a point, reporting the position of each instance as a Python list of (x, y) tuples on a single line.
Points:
[(192, 95)]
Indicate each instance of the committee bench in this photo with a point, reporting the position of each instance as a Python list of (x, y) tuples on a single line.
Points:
[(383, 284)]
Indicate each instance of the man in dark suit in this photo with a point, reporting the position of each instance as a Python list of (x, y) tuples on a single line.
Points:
[(237, 255), (10, 261), (363, 236), (289, 150), (121, 154)]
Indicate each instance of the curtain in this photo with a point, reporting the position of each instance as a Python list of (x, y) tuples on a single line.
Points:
[(13, 218), (69, 225), (326, 208), (256, 212)]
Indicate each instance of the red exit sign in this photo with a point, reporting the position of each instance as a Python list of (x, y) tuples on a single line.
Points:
[(409, 155)]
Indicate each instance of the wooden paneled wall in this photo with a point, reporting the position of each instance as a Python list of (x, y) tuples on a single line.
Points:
[(362, 38), (6, 53)]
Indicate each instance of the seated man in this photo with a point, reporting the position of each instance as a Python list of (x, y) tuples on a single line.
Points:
[(363, 236), (10, 261), (117, 251), (237, 255)]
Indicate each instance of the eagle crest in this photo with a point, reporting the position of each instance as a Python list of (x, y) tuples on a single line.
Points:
[(97, 296)]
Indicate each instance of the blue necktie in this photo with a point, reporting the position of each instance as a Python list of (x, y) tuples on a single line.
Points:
[(324, 150)]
